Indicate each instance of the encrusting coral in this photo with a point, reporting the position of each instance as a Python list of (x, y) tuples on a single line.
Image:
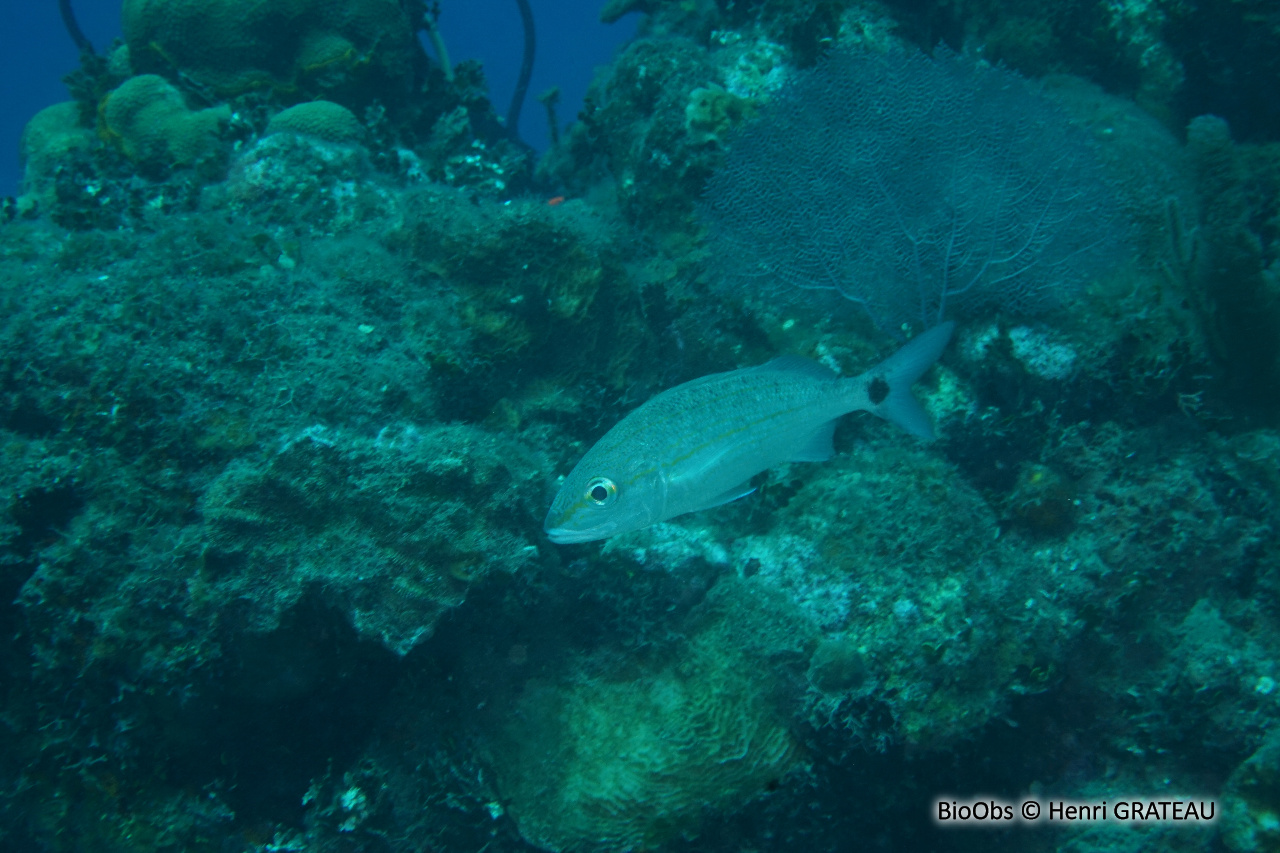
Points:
[(286, 400), (391, 530)]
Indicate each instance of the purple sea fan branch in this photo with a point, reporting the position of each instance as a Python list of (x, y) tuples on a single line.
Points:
[(915, 187)]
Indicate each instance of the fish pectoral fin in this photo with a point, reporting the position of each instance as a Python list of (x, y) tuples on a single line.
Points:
[(817, 447), (739, 491)]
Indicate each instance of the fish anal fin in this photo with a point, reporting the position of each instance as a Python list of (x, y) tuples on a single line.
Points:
[(817, 447)]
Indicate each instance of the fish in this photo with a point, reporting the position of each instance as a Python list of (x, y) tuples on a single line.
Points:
[(699, 444)]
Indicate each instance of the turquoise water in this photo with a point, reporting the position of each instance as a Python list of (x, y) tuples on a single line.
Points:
[(299, 341)]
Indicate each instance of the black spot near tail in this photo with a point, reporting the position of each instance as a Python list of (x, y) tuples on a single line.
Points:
[(877, 390)]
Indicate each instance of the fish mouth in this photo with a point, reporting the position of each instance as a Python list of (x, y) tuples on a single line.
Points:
[(570, 536)]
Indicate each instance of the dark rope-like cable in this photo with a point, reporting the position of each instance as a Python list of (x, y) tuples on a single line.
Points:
[(77, 34), (526, 70)]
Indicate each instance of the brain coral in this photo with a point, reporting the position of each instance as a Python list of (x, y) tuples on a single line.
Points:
[(150, 120), (53, 136), (627, 763), (391, 531), (321, 119), (297, 48)]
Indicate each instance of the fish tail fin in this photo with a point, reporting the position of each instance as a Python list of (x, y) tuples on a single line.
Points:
[(888, 384)]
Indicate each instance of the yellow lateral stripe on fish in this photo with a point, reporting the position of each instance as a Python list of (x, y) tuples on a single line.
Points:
[(698, 445), (583, 500), (734, 431)]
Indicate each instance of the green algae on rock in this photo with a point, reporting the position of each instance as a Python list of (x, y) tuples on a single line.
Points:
[(391, 530)]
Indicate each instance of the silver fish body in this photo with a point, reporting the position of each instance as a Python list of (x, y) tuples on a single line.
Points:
[(698, 445)]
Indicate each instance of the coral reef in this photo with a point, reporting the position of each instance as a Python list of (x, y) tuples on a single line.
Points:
[(657, 119), (629, 761), (346, 51), (1249, 815), (294, 343), (54, 136), (300, 165), (391, 531), (154, 127), (1239, 284), (322, 119)]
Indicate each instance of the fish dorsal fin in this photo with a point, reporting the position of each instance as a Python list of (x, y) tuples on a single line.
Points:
[(797, 365), (817, 447)]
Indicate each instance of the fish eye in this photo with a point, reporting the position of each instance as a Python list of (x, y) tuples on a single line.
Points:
[(601, 491)]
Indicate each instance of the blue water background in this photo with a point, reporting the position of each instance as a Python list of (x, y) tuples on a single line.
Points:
[(36, 53)]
